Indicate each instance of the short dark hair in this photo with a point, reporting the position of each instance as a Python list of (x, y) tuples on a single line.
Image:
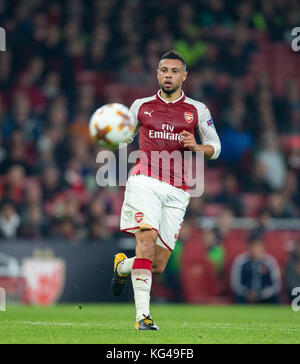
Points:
[(174, 55), (255, 237)]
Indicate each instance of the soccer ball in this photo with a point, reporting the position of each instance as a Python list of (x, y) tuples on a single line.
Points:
[(111, 125)]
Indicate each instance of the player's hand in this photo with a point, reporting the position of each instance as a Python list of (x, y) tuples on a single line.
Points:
[(188, 140)]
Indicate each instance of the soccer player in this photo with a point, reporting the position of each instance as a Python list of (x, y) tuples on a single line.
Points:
[(155, 202)]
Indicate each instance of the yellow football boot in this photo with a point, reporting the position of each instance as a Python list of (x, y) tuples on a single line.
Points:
[(118, 281)]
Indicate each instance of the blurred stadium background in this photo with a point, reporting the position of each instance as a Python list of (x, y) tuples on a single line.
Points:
[(64, 59)]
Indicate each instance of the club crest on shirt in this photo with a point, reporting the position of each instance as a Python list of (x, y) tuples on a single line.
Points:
[(189, 116), (139, 217)]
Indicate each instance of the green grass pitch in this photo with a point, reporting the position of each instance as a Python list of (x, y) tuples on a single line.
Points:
[(179, 324)]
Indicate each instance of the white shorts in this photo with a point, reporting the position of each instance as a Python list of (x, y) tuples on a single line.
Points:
[(159, 204)]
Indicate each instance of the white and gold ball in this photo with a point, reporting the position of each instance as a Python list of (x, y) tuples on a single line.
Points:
[(111, 125)]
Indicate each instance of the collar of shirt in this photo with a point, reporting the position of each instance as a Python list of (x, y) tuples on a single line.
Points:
[(181, 98)]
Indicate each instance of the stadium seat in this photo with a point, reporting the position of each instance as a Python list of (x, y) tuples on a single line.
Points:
[(159, 292), (212, 209), (279, 244), (213, 181), (253, 202), (234, 244), (199, 281)]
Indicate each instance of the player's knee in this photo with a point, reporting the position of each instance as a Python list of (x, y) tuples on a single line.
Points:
[(146, 237)]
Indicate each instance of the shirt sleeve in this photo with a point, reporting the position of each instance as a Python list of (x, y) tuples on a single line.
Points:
[(207, 130), (134, 108), (275, 286), (236, 281)]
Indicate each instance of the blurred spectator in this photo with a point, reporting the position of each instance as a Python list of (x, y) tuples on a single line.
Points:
[(279, 207), (195, 207), (33, 224), (292, 270), (134, 71), (254, 180), (263, 222), (271, 157), (214, 251), (209, 78), (235, 138), (255, 275), (14, 185), (224, 224), (229, 195), (73, 176), (97, 232), (97, 59), (291, 191), (65, 230), (52, 85), (190, 44), (9, 220), (238, 51), (51, 182), (18, 153), (58, 113), (86, 99)]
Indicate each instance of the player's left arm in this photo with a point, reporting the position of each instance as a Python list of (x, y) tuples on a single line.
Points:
[(211, 145)]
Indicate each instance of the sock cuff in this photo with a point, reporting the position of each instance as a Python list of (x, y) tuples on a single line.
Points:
[(141, 263)]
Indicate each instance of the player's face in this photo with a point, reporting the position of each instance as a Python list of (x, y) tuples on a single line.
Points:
[(170, 75)]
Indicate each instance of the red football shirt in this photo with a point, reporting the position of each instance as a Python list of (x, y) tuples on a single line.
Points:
[(159, 123)]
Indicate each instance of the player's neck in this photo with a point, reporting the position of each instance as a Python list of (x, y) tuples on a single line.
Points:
[(170, 97)]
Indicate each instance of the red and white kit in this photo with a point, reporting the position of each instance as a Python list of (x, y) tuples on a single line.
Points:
[(157, 193)]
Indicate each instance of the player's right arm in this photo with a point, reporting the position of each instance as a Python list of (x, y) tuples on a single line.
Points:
[(134, 108)]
